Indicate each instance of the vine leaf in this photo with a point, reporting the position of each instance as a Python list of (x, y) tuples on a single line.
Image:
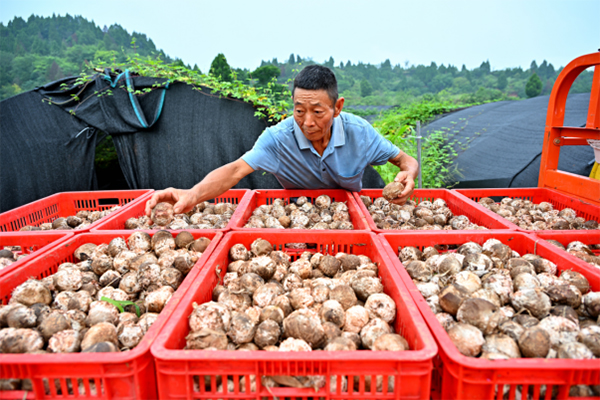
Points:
[(120, 303)]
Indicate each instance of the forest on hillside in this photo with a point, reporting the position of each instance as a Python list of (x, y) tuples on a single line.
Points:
[(387, 84), (42, 50), (39, 50)]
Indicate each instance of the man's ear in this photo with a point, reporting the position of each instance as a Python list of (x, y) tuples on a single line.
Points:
[(339, 105)]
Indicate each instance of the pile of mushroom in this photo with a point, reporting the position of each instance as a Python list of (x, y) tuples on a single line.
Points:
[(497, 304), (106, 302), (530, 216), (317, 302), (323, 214), (81, 220), (426, 215), (9, 255), (581, 251), (204, 215)]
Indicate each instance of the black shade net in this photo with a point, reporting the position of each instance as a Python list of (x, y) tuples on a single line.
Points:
[(164, 135), (506, 142), (43, 150)]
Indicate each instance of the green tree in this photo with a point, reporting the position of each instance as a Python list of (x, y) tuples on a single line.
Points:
[(220, 67), (533, 67), (502, 81), (5, 68), (386, 65), (7, 91), (54, 72), (365, 88), (265, 73), (534, 86), (485, 67), (461, 84)]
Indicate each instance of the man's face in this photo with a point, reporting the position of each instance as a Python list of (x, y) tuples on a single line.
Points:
[(314, 112)]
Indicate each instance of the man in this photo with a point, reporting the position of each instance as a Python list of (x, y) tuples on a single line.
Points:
[(318, 148)]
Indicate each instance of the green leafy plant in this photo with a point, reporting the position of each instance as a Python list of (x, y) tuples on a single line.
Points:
[(120, 303), (270, 101), (437, 150)]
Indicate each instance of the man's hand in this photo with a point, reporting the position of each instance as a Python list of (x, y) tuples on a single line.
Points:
[(214, 184), (409, 186), (183, 200), (409, 170)]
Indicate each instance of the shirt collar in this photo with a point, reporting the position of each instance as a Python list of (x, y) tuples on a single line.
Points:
[(303, 142), (337, 136)]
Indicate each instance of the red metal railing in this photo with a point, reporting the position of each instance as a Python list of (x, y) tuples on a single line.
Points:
[(556, 135)]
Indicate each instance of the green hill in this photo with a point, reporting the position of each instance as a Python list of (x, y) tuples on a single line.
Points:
[(387, 84), (41, 50)]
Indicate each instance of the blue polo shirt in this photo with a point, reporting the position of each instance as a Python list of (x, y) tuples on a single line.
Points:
[(284, 151)]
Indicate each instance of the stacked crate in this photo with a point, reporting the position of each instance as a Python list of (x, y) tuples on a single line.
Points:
[(159, 367), (124, 375)]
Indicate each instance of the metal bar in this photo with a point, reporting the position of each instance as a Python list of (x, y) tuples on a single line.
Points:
[(593, 119), (583, 133), (419, 154), (571, 141)]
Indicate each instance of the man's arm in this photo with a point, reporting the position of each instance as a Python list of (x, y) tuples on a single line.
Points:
[(409, 170), (214, 184)]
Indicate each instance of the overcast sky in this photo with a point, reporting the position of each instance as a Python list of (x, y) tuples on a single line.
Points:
[(508, 33)]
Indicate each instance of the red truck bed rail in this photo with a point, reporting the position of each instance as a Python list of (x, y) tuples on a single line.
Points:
[(556, 135)]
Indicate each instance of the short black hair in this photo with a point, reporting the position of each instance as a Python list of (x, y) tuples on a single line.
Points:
[(317, 77)]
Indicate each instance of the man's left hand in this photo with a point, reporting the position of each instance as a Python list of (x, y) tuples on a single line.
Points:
[(409, 186)]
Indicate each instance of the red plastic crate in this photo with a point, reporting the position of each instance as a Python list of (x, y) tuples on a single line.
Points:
[(536, 195), (176, 368), (234, 196), (459, 377), (566, 237), (456, 204), (33, 245), (125, 375), (69, 203), (261, 197)]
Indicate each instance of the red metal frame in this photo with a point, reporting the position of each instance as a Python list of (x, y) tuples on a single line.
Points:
[(556, 135)]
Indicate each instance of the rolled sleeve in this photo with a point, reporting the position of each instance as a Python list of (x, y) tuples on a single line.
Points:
[(263, 155), (379, 149)]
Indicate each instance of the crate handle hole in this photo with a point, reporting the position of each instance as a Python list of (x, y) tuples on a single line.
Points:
[(108, 202)]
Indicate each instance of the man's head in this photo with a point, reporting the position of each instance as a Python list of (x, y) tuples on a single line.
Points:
[(316, 102), (317, 77)]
